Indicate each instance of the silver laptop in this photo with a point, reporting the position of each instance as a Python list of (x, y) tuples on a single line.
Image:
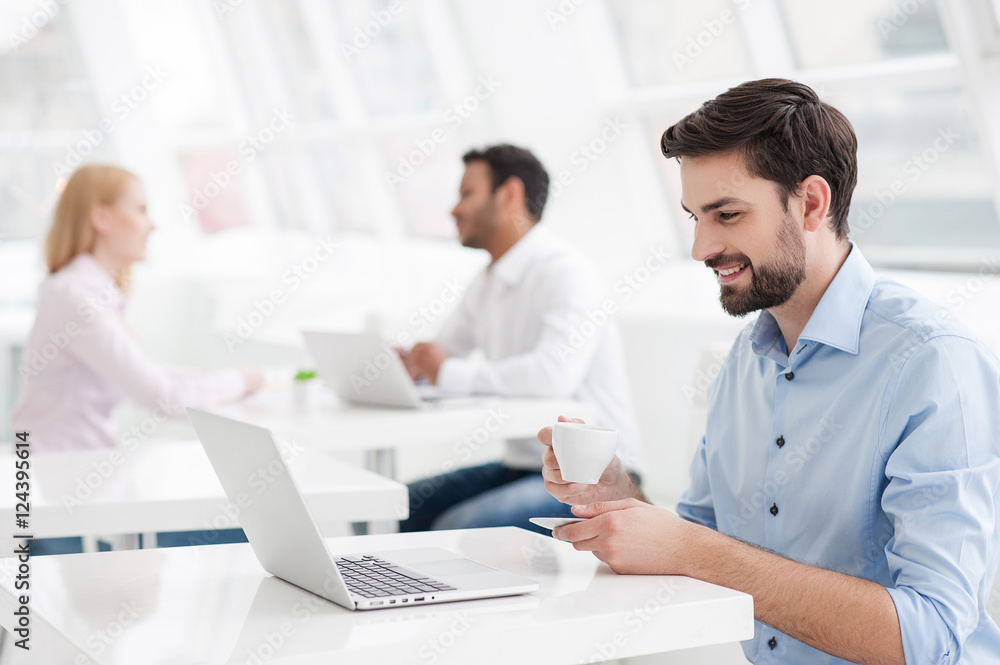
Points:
[(361, 368), (288, 543)]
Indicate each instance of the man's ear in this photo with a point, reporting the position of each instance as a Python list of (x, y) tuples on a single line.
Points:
[(815, 199), (511, 198)]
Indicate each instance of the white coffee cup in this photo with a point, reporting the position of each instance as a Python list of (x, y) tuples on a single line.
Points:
[(583, 451)]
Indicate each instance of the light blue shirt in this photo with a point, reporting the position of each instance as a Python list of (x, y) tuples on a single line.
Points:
[(873, 449)]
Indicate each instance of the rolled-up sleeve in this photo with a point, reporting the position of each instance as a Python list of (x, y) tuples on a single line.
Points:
[(695, 504), (942, 422)]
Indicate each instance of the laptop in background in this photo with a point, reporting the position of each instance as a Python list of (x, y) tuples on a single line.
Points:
[(361, 368), (288, 544)]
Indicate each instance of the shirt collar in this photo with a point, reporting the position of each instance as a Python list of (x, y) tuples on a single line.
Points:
[(510, 267), (836, 321), (90, 271), (94, 277)]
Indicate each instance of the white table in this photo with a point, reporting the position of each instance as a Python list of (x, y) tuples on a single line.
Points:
[(15, 326), (217, 605), (332, 425), (172, 487)]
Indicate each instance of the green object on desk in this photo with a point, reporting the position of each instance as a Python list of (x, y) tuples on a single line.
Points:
[(305, 375)]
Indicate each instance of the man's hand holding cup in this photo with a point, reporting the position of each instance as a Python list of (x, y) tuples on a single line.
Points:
[(580, 465)]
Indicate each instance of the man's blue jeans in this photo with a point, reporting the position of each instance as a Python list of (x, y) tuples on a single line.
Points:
[(481, 496)]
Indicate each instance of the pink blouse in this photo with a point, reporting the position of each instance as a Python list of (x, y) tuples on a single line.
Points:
[(80, 362)]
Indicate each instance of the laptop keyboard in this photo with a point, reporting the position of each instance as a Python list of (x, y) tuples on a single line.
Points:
[(372, 577)]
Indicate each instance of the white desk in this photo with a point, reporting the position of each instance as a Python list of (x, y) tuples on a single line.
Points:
[(217, 605), (172, 487), (15, 326), (331, 425)]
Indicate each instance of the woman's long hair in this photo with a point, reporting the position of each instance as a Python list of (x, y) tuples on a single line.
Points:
[(71, 233)]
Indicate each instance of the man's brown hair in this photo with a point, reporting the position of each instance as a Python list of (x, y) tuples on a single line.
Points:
[(783, 132)]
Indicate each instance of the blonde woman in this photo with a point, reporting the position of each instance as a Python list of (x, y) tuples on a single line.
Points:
[(80, 361)]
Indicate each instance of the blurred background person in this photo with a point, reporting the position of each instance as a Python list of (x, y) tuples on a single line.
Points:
[(80, 360), (535, 314)]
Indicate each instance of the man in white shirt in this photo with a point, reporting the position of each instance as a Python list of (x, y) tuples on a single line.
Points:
[(535, 315)]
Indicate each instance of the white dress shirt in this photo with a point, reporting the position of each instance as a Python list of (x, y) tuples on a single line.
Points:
[(80, 362), (538, 317)]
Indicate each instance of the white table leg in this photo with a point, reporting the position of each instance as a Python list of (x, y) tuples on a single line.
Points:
[(383, 462), (89, 543), (123, 541)]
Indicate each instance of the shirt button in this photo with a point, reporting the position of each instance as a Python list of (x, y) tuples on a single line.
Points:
[(780, 441), (774, 509), (789, 375), (772, 643)]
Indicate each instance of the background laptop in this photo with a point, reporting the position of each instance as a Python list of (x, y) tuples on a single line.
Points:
[(288, 543), (362, 368)]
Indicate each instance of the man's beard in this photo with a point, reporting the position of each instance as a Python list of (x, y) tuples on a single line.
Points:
[(482, 226), (771, 284)]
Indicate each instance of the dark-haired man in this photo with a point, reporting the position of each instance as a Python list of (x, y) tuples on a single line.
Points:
[(530, 314), (850, 466)]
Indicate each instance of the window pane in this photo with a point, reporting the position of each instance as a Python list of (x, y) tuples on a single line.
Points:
[(301, 68), (430, 187), (216, 194), (48, 118), (862, 30), (923, 179), (670, 41), (388, 56), (342, 186)]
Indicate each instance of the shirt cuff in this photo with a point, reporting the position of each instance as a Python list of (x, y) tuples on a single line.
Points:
[(925, 633), (456, 376)]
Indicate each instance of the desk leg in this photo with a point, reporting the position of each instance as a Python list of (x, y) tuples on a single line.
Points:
[(11, 390), (383, 462), (89, 543), (125, 541)]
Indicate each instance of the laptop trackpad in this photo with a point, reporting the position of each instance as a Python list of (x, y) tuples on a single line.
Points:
[(449, 567)]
